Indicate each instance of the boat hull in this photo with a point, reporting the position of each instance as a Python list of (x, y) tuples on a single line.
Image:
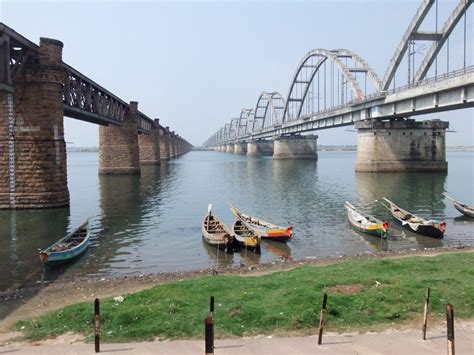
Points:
[(58, 258), (221, 240), (68, 248), (376, 232), (426, 230), (463, 210), (277, 238)]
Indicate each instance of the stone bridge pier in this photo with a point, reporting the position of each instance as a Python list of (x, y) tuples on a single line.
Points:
[(165, 144), (401, 145), (119, 152), (172, 145), (33, 172), (149, 145), (295, 147)]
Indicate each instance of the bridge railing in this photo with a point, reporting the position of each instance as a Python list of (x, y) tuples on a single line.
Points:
[(86, 100), (144, 123)]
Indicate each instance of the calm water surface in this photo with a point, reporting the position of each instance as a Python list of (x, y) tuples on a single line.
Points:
[(151, 223)]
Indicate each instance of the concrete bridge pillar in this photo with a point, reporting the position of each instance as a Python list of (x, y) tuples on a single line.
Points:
[(401, 145), (295, 147), (118, 145), (230, 148), (257, 148), (32, 148), (165, 144), (240, 148), (149, 145)]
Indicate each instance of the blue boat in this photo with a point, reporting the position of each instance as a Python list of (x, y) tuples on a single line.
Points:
[(68, 248)]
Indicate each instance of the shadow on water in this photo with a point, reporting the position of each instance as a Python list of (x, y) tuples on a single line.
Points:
[(22, 234)]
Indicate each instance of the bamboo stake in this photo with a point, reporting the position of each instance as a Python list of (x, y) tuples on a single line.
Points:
[(322, 319), (425, 317), (97, 325), (450, 325), (211, 306), (209, 335)]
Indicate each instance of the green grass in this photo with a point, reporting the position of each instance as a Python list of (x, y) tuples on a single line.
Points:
[(282, 301)]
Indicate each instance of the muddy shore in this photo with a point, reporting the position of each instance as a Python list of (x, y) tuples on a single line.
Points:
[(32, 301)]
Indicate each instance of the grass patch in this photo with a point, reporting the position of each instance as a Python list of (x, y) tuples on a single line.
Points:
[(388, 291)]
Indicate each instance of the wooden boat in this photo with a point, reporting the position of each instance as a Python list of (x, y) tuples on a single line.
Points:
[(417, 224), (68, 248), (366, 223), (463, 208), (265, 230), (245, 238), (216, 233)]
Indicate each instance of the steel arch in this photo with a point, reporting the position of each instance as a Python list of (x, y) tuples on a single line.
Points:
[(323, 55), (245, 114), (275, 101), (362, 64)]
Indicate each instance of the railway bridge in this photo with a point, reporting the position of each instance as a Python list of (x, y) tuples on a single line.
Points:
[(334, 88), (37, 89)]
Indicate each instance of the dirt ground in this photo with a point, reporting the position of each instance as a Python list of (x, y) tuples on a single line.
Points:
[(34, 301)]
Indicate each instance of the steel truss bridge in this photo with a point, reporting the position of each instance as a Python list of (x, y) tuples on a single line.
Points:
[(333, 88), (83, 98)]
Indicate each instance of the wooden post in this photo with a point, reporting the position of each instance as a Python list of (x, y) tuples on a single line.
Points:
[(322, 319), (97, 325), (212, 307), (209, 335), (450, 324), (425, 317)]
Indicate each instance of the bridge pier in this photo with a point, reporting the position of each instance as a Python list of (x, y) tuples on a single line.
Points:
[(119, 152), (32, 147), (149, 145), (172, 145), (165, 144), (240, 148), (401, 145), (296, 147), (230, 148), (257, 148)]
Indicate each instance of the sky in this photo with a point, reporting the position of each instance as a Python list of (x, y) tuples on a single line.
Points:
[(195, 65)]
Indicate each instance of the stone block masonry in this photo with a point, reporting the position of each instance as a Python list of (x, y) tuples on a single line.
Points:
[(149, 145), (118, 145), (401, 145), (165, 144), (32, 147)]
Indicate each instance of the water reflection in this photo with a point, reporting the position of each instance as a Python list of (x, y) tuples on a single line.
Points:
[(280, 250), (419, 193), (22, 233)]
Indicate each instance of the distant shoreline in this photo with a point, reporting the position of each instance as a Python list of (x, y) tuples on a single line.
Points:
[(321, 148)]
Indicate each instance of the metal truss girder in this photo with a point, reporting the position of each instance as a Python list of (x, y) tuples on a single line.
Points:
[(402, 47), (425, 36), (448, 27)]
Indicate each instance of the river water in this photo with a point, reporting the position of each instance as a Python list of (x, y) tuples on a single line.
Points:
[(152, 223)]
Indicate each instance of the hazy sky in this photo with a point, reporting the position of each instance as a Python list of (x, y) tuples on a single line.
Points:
[(196, 64)]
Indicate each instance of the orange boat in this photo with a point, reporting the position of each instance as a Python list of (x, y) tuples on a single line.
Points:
[(263, 229)]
